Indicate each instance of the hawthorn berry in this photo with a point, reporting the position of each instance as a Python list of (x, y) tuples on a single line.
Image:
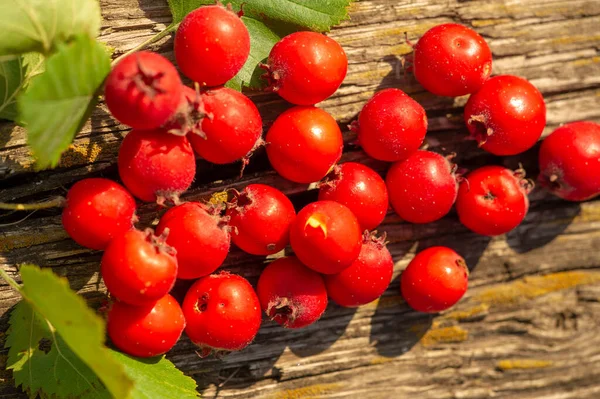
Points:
[(199, 235), (366, 278), (305, 68), (391, 126), (452, 60), (304, 143), (138, 267), (434, 280), (361, 189), (506, 116), (97, 210), (492, 200), (423, 187), (292, 294), (222, 313), (155, 166), (570, 161), (326, 237), (260, 217), (148, 330), (143, 90), (211, 45)]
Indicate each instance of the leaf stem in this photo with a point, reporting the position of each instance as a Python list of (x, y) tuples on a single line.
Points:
[(10, 280), (168, 30), (53, 203)]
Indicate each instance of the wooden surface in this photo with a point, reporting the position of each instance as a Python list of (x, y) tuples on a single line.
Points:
[(528, 326)]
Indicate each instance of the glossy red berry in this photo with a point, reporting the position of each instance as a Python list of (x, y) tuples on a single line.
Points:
[(361, 189), (506, 116), (304, 143), (292, 294), (260, 217), (148, 330), (200, 237), (452, 60), (138, 268), (366, 278), (222, 313), (570, 161), (492, 200), (326, 237), (423, 187), (434, 280), (391, 126), (155, 165), (97, 210), (143, 90), (211, 45), (306, 67)]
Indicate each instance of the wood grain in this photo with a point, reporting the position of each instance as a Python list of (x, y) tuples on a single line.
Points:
[(528, 326)]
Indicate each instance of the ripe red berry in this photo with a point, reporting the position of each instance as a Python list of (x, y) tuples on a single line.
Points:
[(506, 116), (211, 45), (260, 217), (292, 294), (304, 143), (391, 126), (570, 161), (155, 165), (326, 237), (306, 67), (423, 187), (138, 267), (222, 313), (143, 90), (452, 60), (97, 210), (361, 189), (230, 128), (366, 278), (199, 236), (148, 330), (434, 280), (492, 200)]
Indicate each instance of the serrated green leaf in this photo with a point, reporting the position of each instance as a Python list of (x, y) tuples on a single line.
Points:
[(262, 40), (157, 378), (15, 72), (60, 100), (181, 8), (39, 25)]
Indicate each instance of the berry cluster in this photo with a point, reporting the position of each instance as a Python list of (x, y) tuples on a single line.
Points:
[(337, 254)]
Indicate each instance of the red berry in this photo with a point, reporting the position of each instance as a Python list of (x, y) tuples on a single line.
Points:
[(570, 161), (306, 67), (261, 217), (211, 45), (423, 187), (200, 238), (326, 237), (148, 330), (97, 210), (507, 116), (434, 280), (492, 200), (143, 90), (138, 267), (366, 278), (222, 313), (231, 129), (292, 294), (452, 60), (391, 126), (155, 165), (304, 143), (361, 189)]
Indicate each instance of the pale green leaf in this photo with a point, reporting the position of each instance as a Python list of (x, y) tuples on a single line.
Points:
[(15, 72)]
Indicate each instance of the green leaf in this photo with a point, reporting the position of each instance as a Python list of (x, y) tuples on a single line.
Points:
[(157, 378), (60, 100), (262, 40), (15, 72), (39, 25)]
